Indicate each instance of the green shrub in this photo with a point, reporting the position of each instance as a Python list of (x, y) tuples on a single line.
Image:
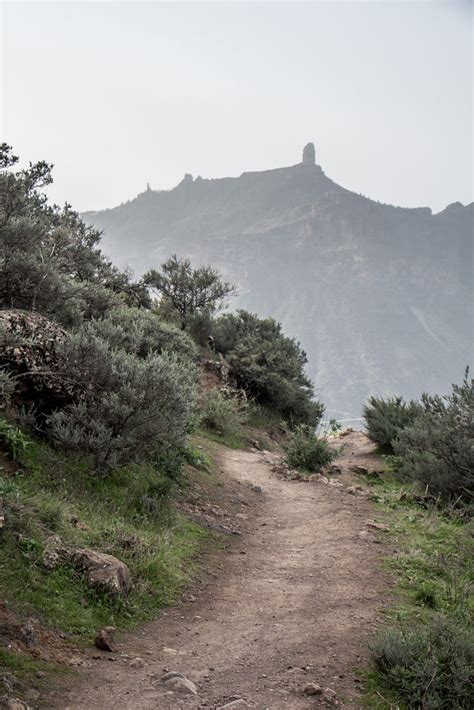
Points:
[(129, 407), (13, 439), (222, 411), (142, 333), (306, 451), (268, 365), (385, 418), (334, 426), (437, 449), (429, 667)]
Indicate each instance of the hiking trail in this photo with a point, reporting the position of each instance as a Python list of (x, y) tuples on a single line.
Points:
[(293, 601)]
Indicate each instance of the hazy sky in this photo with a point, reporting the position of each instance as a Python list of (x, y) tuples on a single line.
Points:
[(116, 94)]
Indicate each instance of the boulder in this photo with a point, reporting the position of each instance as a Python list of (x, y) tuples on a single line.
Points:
[(178, 683), (104, 572), (30, 352), (312, 689), (105, 639)]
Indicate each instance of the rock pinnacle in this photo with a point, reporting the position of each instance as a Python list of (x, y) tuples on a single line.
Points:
[(309, 154)]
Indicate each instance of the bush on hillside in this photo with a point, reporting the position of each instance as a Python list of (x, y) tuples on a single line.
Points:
[(437, 449), (385, 419), (268, 365), (306, 451), (222, 411), (142, 333), (428, 667), (128, 408), (49, 258)]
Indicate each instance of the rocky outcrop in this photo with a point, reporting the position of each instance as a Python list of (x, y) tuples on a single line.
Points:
[(309, 154), (29, 347), (104, 572)]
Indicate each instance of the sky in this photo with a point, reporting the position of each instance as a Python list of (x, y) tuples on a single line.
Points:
[(118, 94)]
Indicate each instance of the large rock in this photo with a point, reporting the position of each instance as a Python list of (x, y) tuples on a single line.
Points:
[(105, 639), (309, 154), (178, 683), (29, 344), (104, 572)]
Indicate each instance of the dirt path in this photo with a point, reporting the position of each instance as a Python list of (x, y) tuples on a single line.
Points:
[(294, 602)]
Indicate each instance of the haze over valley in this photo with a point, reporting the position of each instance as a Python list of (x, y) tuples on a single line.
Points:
[(378, 295)]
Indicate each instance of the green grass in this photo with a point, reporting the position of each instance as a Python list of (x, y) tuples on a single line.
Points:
[(258, 420), (31, 673), (128, 514), (20, 665), (434, 573), (234, 440)]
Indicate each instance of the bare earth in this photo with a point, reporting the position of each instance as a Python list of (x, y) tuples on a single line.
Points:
[(294, 601)]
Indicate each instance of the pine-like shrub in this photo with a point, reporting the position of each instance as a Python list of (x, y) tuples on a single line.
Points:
[(306, 451), (385, 419)]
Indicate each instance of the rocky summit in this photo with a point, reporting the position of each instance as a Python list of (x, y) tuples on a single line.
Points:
[(378, 295)]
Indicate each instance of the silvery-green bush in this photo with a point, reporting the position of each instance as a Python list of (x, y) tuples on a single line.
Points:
[(437, 449), (222, 411), (129, 407), (142, 333)]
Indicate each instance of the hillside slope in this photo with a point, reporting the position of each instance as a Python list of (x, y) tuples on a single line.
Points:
[(378, 295)]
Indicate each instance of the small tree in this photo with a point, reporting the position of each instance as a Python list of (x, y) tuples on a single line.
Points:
[(189, 292)]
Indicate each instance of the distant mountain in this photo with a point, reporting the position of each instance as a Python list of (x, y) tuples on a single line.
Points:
[(379, 296)]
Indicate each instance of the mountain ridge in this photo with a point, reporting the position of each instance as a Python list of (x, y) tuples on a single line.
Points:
[(312, 253)]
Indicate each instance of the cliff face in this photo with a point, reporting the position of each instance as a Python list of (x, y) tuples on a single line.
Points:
[(379, 296)]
